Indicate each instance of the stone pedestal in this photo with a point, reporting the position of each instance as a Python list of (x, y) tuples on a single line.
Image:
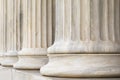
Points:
[(37, 37), (87, 41), (12, 31)]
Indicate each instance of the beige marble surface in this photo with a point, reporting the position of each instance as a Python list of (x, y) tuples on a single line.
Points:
[(82, 65), (87, 39), (5, 74), (12, 34), (86, 44), (13, 74), (37, 37), (2, 30)]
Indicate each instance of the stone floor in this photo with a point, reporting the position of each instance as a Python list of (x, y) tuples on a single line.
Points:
[(7, 73)]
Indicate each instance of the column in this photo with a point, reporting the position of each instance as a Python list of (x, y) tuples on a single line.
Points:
[(2, 30), (37, 34), (12, 32), (87, 39)]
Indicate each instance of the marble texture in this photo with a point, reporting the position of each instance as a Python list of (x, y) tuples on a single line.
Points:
[(3, 72), (37, 37), (83, 65), (13, 74), (65, 39), (12, 8), (87, 40), (2, 30)]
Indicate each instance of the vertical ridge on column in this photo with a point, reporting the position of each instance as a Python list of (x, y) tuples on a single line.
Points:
[(75, 22), (53, 19), (49, 23), (95, 28), (85, 20), (4, 24), (29, 8), (117, 20), (33, 23), (104, 20), (59, 19), (111, 20), (11, 22), (44, 23), (14, 25), (2, 30), (39, 23), (18, 34), (67, 20), (25, 23)]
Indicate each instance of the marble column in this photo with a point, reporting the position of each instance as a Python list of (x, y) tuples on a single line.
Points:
[(12, 32), (87, 39), (37, 34), (2, 30)]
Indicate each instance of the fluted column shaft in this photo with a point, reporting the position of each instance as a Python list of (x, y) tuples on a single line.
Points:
[(37, 37), (2, 30), (12, 32), (87, 39)]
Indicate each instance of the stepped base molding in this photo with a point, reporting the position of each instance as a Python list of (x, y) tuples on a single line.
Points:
[(9, 59), (82, 65), (1, 58), (31, 59)]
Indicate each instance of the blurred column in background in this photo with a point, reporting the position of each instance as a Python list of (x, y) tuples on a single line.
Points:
[(37, 37), (12, 31), (2, 29)]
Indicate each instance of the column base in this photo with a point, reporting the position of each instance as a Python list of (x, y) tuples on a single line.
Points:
[(82, 65), (67, 47), (9, 59), (1, 58), (31, 59)]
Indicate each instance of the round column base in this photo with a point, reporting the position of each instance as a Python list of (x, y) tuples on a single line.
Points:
[(9, 59), (31, 62), (82, 65), (1, 58), (31, 58)]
